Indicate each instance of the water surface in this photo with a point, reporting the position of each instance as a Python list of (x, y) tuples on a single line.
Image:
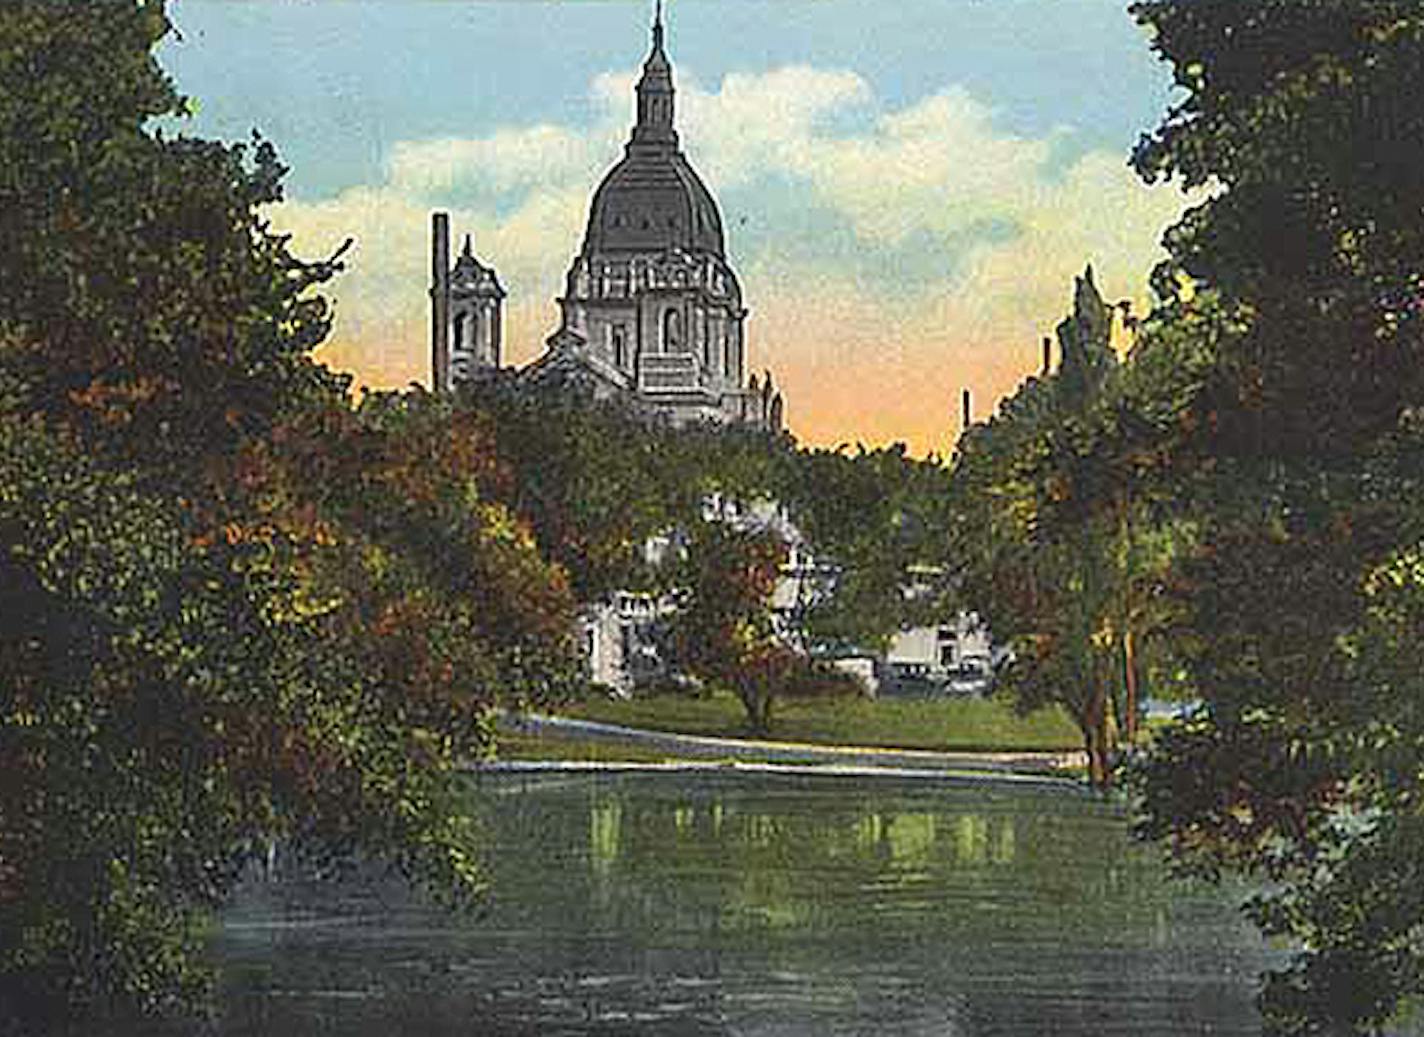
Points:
[(763, 904)]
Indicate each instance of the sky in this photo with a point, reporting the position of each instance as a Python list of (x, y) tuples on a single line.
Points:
[(908, 187)]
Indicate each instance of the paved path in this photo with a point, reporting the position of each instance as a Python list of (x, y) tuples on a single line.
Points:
[(697, 747)]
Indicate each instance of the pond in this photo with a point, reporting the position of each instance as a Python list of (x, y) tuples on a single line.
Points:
[(692, 903)]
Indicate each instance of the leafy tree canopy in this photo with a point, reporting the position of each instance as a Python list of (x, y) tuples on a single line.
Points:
[(1281, 379), (596, 479), (1057, 544), (236, 612)]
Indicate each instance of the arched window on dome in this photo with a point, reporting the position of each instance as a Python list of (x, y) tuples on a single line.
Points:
[(672, 332)]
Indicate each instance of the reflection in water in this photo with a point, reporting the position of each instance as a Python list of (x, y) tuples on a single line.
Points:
[(603, 832), (971, 839), (759, 905)]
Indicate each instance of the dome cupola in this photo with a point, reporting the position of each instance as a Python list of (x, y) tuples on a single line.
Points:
[(656, 95)]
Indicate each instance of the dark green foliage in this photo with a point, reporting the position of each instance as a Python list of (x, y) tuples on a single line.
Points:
[(1281, 380), (596, 479), (140, 290), (815, 679), (876, 520), (1307, 115), (723, 633), (233, 611)]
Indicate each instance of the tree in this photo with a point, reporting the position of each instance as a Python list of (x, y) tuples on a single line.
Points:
[(595, 479), (1056, 542), (1294, 291), (723, 632), (235, 611), (876, 520), (146, 303)]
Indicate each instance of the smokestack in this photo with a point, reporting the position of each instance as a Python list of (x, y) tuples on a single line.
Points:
[(1047, 355), (968, 414), (440, 302)]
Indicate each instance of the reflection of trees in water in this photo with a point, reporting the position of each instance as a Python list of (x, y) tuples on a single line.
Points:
[(702, 861), (781, 858), (604, 832), (758, 837)]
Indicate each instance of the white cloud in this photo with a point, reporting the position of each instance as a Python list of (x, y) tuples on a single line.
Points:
[(508, 160), (755, 124)]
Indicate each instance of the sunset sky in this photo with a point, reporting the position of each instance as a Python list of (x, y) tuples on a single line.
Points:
[(908, 187)]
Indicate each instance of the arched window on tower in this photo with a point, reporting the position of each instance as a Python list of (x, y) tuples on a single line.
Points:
[(672, 332), (478, 334), (461, 329)]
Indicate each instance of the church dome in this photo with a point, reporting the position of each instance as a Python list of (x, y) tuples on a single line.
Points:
[(653, 200), (650, 203)]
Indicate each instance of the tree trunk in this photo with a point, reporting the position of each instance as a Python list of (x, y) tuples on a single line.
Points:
[(1105, 745), (758, 707), (1095, 738), (1097, 764), (1129, 666)]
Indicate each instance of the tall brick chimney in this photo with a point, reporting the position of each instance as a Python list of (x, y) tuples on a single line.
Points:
[(440, 302)]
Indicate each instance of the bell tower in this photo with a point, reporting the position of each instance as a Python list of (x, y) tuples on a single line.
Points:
[(467, 314)]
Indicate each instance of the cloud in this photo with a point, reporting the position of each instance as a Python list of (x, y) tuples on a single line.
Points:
[(754, 124), (889, 256), (509, 160)]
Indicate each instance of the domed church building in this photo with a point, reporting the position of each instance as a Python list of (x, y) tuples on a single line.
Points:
[(651, 306)]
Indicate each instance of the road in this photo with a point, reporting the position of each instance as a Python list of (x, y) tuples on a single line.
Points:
[(697, 747)]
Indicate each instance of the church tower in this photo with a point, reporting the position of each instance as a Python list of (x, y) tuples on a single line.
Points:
[(466, 313)]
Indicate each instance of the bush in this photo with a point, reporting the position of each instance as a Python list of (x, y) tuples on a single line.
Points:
[(818, 679)]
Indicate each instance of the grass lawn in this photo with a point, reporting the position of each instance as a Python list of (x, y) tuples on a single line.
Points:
[(948, 724)]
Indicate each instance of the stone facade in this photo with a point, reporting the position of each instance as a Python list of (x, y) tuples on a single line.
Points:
[(651, 306)]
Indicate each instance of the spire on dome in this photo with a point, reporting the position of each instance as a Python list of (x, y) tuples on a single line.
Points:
[(655, 91), (657, 63)]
